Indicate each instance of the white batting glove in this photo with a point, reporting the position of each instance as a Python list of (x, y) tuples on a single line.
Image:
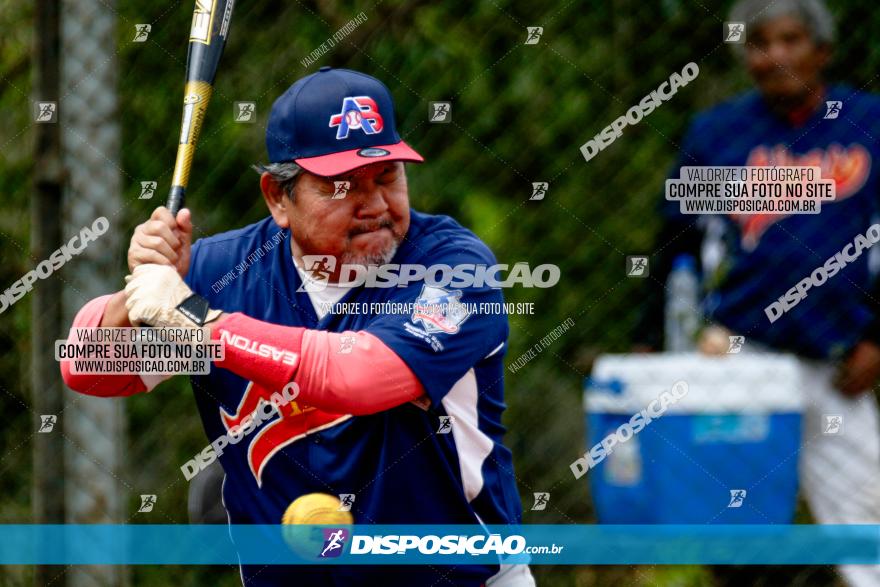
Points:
[(154, 294)]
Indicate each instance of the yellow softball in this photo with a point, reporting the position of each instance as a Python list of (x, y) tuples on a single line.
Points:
[(305, 511), (316, 508)]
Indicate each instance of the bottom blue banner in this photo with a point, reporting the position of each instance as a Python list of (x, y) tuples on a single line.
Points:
[(380, 544)]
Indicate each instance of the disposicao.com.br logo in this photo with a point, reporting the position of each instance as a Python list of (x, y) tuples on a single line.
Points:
[(474, 545)]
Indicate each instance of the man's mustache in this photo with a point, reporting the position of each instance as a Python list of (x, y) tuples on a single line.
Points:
[(372, 227)]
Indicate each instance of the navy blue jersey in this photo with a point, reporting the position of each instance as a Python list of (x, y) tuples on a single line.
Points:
[(770, 253), (394, 462)]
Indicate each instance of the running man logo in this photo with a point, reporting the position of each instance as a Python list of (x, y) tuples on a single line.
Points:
[(148, 188), (636, 266), (141, 32), (539, 188), (833, 424), (147, 503), (47, 423), (340, 189), (319, 266), (737, 497), (245, 111), (446, 423), (541, 501), (45, 112), (334, 542), (318, 269), (440, 112), (346, 501), (735, 32), (533, 34), (346, 344), (735, 344), (832, 109)]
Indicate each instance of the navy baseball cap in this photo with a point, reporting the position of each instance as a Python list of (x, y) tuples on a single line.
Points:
[(334, 121)]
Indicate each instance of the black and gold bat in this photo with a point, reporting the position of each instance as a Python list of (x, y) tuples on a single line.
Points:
[(207, 38)]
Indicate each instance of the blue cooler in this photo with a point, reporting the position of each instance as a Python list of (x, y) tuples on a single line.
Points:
[(720, 445)]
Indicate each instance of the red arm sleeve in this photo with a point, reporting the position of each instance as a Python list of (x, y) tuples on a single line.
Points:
[(369, 378), (101, 385), (357, 374)]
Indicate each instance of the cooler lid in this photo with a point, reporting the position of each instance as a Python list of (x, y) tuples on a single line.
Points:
[(739, 383)]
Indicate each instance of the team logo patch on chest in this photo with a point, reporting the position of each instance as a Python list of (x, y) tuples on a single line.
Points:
[(439, 310)]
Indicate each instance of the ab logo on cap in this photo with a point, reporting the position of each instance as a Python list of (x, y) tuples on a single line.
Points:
[(358, 112)]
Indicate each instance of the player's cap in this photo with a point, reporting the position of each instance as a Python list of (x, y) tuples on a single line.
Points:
[(334, 121)]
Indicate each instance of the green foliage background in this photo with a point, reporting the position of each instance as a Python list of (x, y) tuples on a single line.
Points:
[(520, 113)]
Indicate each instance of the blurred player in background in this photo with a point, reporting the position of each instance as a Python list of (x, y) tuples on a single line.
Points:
[(373, 388), (749, 261)]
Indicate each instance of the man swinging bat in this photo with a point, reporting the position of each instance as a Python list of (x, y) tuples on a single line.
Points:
[(365, 421)]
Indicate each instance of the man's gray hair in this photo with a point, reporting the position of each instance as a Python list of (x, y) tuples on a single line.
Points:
[(284, 174), (813, 13)]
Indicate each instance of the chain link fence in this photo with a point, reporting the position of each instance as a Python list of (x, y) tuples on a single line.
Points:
[(523, 102)]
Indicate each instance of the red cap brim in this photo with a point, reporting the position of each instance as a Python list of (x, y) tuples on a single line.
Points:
[(345, 161)]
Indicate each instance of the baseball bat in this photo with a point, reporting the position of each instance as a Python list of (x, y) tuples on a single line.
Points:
[(207, 38)]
